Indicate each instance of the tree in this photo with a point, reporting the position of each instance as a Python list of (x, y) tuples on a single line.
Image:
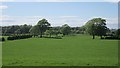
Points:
[(118, 33), (25, 28), (35, 31), (18, 31), (48, 32), (11, 29), (96, 26), (56, 30), (43, 26), (75, 30), (65, 29), (82, 29), (53, 31)]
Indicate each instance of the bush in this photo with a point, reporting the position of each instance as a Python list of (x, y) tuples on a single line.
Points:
[(2, 39), (10, 38), (58, 37), (112, 37), (16, 37)]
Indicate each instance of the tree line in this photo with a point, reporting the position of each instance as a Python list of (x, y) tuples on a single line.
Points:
[(94, 27)]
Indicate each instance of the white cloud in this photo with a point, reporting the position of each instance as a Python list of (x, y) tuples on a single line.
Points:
[(111, 21), (54, 20), (5, 17), (68, 16), (32, 20), (3, 7)]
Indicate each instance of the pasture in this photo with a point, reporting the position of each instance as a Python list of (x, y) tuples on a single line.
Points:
[(79, 50)]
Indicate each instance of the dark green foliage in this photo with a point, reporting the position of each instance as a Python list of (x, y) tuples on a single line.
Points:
[(2, 39), (118, 33), (113, 34), (40, 28), (96, 26), (58, 37), (77, 30), (43, 26), (25, 29), (16, 37), (35, 31), (112, 37), (65, 29), (15, 29)]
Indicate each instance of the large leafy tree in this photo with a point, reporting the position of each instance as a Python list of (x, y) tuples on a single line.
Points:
[(35, 31), (53, 31), (96, 26), (25, 28), (49, 32), (11, 30), (16, 29), (118, 33), (43, 26), (65, 29)]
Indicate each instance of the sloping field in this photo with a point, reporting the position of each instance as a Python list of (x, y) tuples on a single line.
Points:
[(80, 50)]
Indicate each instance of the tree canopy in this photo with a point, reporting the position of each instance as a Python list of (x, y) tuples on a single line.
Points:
[(40, 28), (96, 26), (65, 29), (35, 30)]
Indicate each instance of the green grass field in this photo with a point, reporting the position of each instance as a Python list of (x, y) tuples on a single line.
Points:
[(80, 50)]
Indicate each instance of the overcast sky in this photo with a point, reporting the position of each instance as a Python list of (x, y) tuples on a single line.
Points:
[(57, 13)]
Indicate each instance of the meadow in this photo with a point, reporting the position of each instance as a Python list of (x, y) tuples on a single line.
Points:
[(79, 50)]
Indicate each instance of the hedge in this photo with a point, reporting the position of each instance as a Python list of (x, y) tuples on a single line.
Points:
[(16, 37), (112, 37), (2, 39)]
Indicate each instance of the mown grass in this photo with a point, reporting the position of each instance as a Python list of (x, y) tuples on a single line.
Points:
[(80, 50)]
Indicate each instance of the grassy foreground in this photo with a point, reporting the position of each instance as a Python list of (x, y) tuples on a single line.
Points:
[(80, 50)]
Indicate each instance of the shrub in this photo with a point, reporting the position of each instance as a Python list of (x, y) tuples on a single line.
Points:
[(112, 37), (10, 38), (58, 37), (2, 39), (16, 37)]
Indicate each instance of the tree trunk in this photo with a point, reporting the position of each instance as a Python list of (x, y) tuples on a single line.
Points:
[(101, 37), (34, 36), (50, 35), (93, 36), (56, 35), (41, 35)]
